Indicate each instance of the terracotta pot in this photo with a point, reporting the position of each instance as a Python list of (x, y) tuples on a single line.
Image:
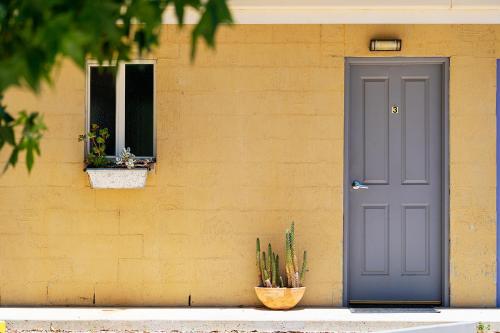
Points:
[(280, 298)]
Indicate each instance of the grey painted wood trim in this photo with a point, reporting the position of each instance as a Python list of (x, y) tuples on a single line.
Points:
[(345, 242), (445, 62), (446, 182)]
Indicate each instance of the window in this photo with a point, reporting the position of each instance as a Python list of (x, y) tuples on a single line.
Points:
[(124, 104)]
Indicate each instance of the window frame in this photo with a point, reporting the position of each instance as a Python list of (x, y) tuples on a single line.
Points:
[(120, 102)]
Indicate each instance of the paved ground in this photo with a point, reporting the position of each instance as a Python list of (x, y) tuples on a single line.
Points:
[(234, 319)]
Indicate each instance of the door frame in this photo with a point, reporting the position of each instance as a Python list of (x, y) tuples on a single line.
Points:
[(445, 199)]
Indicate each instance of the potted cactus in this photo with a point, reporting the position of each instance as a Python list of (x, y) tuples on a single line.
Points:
[(273, 291)]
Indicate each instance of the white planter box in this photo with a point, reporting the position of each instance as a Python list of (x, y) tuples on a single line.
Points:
[(117, 178)]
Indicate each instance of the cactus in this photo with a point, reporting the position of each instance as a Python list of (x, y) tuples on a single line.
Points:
[(273, 269), (294, 268), (269, 269), (263, 265), (269, 256), (292, 247), (304, 269), (265, 271), (295, 278), (288, 259), (276, 271), (291, 260), (259, 269)]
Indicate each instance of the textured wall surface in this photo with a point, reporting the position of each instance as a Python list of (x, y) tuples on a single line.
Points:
[(248, 139)]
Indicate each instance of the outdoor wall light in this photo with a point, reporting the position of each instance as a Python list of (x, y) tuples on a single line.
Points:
[(385, 45)]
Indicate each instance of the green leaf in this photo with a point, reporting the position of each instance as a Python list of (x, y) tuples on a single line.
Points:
[(179, 11), (29, 158), (216, 12), (35, 36), (6, 117), (36, 148), (7, 134), (12, 159)]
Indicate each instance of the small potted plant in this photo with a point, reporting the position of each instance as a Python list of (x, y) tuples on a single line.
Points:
[(125, 172), (483, 328), (273, 291)]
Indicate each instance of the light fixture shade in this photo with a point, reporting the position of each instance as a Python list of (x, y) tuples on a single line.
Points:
[(385, 45)]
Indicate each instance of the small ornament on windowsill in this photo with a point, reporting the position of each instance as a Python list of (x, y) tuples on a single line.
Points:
[(127, 159)]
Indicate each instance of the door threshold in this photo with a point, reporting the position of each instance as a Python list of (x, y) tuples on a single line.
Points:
[(394, 309), (394, 303)]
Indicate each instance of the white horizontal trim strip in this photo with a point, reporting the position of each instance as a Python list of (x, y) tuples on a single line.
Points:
[(368, 4), (329, 15)]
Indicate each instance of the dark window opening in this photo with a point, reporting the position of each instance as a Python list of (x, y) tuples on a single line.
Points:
[(103, 102), (139, 109)]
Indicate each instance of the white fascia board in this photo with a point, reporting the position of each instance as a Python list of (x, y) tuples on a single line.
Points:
[(481, 4), (345, 3), (340, 15), (368, 4)]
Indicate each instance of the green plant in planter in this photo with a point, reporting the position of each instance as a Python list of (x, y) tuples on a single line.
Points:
[(96, 137), (268, 264), (483, 328)]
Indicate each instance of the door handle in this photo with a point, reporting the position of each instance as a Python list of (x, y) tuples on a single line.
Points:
[(356, 185)]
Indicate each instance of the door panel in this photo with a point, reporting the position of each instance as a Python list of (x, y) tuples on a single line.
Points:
[(415, 238), (376, 240), (375, 142), (415, 130), (395, 224)]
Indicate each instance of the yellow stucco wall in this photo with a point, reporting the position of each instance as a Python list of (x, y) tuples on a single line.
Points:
[(248, 139)]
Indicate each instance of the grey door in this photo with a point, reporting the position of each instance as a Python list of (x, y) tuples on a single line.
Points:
[(395, 149)]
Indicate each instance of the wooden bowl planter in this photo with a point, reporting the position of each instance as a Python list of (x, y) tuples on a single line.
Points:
[(117, 178), (280, 298), (274, 291)]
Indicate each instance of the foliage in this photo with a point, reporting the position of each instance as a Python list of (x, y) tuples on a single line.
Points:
[(96, 137), (482, 327), (96, 155), (269, 269), (36, 35), (32, 127)]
